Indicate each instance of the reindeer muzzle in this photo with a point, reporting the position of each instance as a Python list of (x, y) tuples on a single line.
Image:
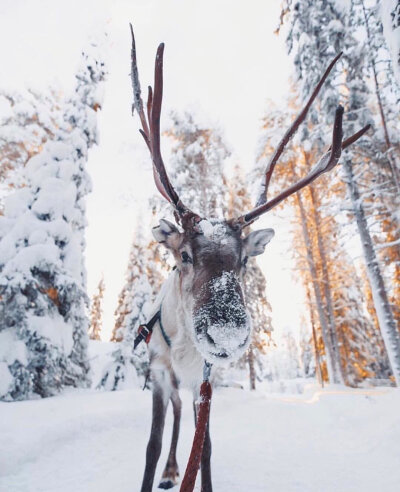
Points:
[(221, 323)]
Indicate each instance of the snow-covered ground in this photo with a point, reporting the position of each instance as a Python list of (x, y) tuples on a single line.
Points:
[(334, 439)]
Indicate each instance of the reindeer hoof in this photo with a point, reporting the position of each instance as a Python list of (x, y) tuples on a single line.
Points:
[(167, 483)]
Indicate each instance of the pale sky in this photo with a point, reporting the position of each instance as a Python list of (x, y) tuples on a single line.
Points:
[(221, 59)]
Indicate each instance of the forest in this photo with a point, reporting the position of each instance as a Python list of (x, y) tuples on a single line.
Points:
[(60, 339)]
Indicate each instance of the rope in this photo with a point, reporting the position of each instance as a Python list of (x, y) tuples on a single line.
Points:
[(193, 465)]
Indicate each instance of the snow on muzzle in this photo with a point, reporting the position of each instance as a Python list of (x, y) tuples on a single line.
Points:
[(221, 323)]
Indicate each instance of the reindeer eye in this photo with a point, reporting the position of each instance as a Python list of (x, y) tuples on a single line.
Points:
[(185, 257), (244, 261)]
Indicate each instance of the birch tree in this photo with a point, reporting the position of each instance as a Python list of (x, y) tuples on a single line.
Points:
[(312, 48), (390, 12)]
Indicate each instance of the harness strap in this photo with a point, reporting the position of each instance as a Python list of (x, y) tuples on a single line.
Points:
[(193, 464), (146, 330)]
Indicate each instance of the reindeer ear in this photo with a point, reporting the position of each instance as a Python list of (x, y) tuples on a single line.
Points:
[(168, 234), (254, 244)]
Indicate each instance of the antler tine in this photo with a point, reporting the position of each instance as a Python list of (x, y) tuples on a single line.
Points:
[(149, 102), (137, 93), (154, 107), (355, 137), (327, 162), (151, 132), (290, 133)]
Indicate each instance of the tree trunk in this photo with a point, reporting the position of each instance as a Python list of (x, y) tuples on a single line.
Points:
[(318, 296), (315, 342), (327, 289), (252, 372), (381, 302)]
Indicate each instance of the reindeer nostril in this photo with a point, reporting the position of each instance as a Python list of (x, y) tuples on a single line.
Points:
[(223, 355), (210, 339)]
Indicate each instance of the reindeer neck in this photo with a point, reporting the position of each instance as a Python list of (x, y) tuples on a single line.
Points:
[(176, 314)]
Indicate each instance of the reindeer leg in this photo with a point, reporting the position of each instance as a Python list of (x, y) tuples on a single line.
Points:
[(170, 475), (160, 403)]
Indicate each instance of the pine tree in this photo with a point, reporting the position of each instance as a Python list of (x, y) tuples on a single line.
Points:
[(146, 258), (135, 271), (96, 312), (197, 160), (307, 355), (126, 364), (144, 278), (43, 320), (28, 120), (313, 50), (282, 361), (292, 363), (390, 11)]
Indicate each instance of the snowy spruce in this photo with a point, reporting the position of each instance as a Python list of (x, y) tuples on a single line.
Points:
[(43, 315)]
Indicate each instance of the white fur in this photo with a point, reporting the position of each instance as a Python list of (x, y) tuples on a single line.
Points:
[(183, 357), (185, 354)]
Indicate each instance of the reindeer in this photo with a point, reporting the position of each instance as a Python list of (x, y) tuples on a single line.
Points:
[(201, 310)]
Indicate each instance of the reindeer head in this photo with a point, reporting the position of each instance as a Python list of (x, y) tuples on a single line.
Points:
[(211, 258), (211, 254)]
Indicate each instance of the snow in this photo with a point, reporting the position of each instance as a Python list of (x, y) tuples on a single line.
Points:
[(230, 329), (331, 440), (6, 378), (335, 26), (11, 349), (55, 329), (213, 229)]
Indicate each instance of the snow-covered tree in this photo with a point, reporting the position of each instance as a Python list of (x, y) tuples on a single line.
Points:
[(132, 299), (282, 361), (390, 11), (313, 49), (307, 354), (43, 319), (96, 312), (28, 120), (146, 258), (197, 161), (352, 162), (144, 276), (126, 364)]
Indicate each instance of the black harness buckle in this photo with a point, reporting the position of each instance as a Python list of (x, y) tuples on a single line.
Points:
[(145, 333)]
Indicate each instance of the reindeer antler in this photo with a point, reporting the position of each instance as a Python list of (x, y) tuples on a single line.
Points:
[(151, 133), (326, 163)]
